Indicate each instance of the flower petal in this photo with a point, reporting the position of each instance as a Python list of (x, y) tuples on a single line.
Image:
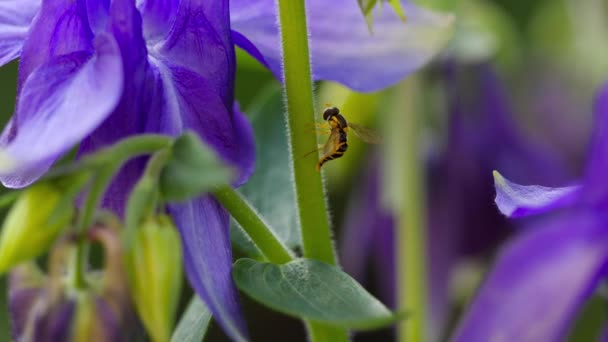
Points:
[(539, 281), (98, 13), (62, 102), (516, 200), (191, 103), (15, 19), (595, 175), (204, 227), (342, 47), (158, 17), (141, 95), (201, 41), (60, 28)]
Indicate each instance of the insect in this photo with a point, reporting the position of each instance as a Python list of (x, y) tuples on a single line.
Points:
[(337, 143)]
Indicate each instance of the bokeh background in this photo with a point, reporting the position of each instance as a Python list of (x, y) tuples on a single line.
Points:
[(513, 91)]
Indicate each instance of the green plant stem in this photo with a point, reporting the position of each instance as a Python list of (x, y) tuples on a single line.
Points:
[(265, 239), (121, 151), (410, 213), (316, 236), (109, 160), (310, 196), (145, 194)]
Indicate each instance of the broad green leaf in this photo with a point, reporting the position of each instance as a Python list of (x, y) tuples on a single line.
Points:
[(312, 290), (194, 323), (192, 170), (269, 189)]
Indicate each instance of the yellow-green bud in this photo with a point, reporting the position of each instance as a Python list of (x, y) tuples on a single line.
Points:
[(155, 273), (32, 224)]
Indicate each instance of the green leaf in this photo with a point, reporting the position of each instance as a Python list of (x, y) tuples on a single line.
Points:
[(312, 290), (269, 189), (192, 170), (194, 323)]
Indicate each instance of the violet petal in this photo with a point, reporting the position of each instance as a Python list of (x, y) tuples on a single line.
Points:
[(539, 281), (190, 102), (342, 47), (201, 41), (98, 13), (158, 17), (15, 19), (61, 28), (203, 224), (516, 200), (76, 91), (595, 176)]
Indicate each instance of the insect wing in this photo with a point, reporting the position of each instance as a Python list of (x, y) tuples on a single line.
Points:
[(332, 142), (365, 134)]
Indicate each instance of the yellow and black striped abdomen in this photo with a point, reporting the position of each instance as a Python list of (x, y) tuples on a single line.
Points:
[(338, 151)]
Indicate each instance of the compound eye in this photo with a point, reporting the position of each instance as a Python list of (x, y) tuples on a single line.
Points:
[(329, 112)]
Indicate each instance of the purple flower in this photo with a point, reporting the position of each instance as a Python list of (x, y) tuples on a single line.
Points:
[(96, 71), (545, 275), (481, 137), (342, 48)]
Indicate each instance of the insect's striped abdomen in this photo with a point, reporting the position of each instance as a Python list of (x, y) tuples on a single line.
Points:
[(339, 152)]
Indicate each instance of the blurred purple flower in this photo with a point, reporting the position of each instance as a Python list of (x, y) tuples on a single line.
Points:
[(341, 45), (46, 307), (97, 71), (543, 277), (481, 137)]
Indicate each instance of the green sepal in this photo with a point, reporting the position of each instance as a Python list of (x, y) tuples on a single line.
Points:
[(154, 266), (192, 170), (33, 223), (312, 290)]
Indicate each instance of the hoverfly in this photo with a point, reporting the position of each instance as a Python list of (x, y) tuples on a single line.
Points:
[(337, 143)]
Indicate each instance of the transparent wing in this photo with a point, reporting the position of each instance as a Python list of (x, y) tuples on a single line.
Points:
[(332, 142), (368, 135)]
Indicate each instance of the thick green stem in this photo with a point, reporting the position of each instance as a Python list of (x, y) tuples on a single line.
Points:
[(310, 196), (406, 182), (316, 236), (265, 239)]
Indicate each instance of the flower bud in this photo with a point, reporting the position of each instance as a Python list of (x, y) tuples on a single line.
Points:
[(155, 273), (33, 224)]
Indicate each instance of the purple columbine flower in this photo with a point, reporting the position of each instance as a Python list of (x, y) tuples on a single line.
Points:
[(481, 137), (96, 71), (545, 275)]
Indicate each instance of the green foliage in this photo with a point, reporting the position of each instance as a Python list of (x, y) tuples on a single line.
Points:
[(270, 190), (194, 323), (192, 169), (312, 290)]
